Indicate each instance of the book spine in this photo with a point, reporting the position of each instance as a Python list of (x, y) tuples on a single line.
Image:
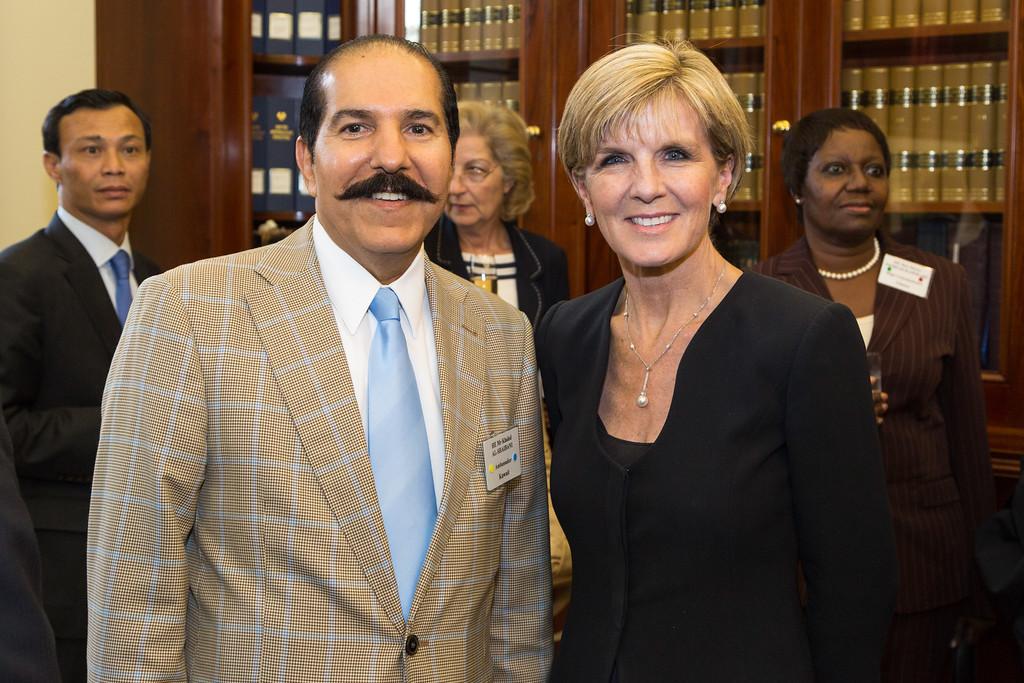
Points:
[(472, 25), (494, 27), (723, 19), (901, 109), (647, 20), (510, 94), (332, 25), (700, 19), (876, 85), (280, 29), (451, 26), (927, 132), (282, 120), (853, 15), (906, 13), (258, 183), (674, 18), (490, 93), (258, 22), (878, 14), (993, 10), (751, 18), (934, 12), (963, 11), (309, 27), (513, 26)]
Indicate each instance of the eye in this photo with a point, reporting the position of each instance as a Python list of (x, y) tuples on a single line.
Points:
[(353, 128), (610, 160), (420, 129), (676, 154), (131, 149), (875, 171), (833, 169), (91, 149)]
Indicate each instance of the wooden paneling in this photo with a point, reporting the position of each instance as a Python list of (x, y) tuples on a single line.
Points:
[(186, 65)]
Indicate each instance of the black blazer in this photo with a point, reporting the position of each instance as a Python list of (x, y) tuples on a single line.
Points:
[(26, 641), (684, 565), (57, 339), (934, 440), (542, 271)]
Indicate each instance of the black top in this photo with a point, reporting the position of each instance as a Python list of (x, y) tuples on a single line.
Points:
[(624, 453), (542, 271), (684, 565)]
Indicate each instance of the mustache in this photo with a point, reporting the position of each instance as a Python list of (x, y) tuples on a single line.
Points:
[(395, 183)]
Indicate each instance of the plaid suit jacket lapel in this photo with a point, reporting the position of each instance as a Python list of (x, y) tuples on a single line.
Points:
[(294, 318), (460, 340)]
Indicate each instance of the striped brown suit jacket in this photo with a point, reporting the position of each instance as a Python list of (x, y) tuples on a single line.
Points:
[(934, 441), (235, 534)]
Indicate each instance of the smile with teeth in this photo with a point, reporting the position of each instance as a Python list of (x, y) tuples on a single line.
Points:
[(390, 196), (650, 222)]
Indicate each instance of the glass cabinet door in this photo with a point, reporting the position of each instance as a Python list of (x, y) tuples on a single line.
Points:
[(934, 75)]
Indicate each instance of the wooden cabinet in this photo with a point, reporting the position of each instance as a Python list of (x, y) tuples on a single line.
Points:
[(191, 66)]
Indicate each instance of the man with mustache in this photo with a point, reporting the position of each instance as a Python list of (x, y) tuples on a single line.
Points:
[(64, 295), (321, 460)]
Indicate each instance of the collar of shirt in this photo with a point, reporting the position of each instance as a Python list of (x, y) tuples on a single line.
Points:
[(351, 287), (99, 246)]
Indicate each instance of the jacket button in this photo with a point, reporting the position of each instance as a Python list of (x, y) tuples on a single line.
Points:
[(412, 644)]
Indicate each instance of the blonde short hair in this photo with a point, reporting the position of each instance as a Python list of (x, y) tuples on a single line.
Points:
[(505, 133), (616, 90)]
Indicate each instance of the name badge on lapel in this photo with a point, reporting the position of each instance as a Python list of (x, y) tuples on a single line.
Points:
[(502, 462), (906, 276)]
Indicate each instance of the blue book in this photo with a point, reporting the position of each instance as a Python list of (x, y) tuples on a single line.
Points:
[(309, 27), (259, 22), (280, 28), (259, 153), (282, 127), (332, 25)]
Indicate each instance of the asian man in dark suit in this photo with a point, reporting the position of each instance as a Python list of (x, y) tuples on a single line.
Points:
[(26, 646), (64, 295)]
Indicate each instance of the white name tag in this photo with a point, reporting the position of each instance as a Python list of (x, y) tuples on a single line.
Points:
[(502, 461), (906, 276)]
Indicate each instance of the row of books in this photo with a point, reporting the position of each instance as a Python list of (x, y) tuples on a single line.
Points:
[(498, 93), (295, 27), (876, 14), (748, 87), (648, 20), (946, 125), (470, 25), (276, 183)]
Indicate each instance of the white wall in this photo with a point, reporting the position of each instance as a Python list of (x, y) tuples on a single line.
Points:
[(47, 51)]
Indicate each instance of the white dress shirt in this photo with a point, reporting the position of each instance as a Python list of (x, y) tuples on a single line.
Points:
[(101, 248), (351, 288)]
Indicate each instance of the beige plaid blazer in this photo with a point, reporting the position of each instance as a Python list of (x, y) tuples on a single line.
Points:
[(234, 532)]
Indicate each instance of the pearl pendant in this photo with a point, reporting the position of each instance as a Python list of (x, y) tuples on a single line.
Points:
[(641, 400)]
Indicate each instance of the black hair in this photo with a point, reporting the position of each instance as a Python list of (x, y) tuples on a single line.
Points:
[(93, 98), (811, 132), (311, 111)]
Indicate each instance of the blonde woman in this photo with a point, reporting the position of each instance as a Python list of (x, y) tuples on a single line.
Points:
[(711, 429)]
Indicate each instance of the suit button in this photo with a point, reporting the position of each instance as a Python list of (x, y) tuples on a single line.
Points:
[(412, 644)]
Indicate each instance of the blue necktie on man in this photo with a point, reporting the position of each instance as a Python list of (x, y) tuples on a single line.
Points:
[(121, 262), (399, 451)]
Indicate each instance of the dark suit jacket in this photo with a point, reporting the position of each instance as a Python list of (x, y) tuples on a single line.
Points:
[(684, 564), (26, 641), (542, 271), (934, 442), (57, 338)]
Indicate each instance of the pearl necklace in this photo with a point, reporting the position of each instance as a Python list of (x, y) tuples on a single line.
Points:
[(641, 399), (849, 275)]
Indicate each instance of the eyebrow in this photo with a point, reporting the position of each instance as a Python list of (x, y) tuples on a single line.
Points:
[(100, 138), (367, 115)]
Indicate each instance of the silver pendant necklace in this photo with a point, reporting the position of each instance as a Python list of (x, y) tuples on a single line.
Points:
[(641, 399)]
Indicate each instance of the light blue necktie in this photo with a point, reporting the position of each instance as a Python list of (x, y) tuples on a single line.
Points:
[(121, 262), (399, 455)]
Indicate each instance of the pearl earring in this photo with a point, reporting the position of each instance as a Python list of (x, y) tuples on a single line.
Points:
[(798, 200), (589, 220), (721, 207)]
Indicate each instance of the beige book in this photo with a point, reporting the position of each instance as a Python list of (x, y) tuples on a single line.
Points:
[(927, 112), (876, 87), (723, 18), (999, 177), (993, 10), (513, 26), (983, 107), (510, 94), (745, 190), (852, 85), (901, 109), (981, 177), (878, 14), (1002, 103), (493, 31), (631, 9), (853, 15), (956, 99), (963, 11), (470, 92), (490, 92), (700, 19), (674, 20), (750, 18), (647, 20), (451, 27), (926, 177), (906, 13), (901, 177), (953, 177), (430, 28), (472, 25), (934, 12)]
